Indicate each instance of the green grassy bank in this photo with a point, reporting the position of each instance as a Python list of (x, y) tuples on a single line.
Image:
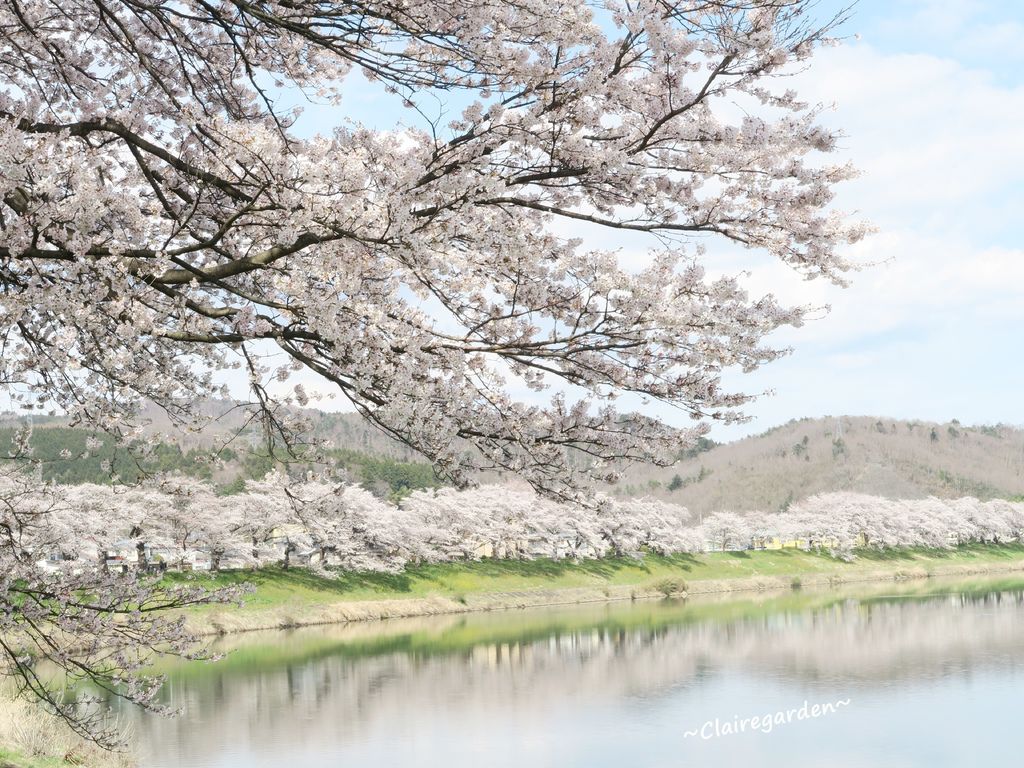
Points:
[(297, 597), (9, 759), (90, 758)]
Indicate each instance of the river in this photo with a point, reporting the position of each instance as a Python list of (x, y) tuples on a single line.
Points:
[(920, 674)]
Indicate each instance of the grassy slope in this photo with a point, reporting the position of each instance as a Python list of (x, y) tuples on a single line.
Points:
[(297, 587), (10, 759)]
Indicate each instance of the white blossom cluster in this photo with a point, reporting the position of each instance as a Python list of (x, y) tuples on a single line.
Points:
[(161, 219), (180, 522)]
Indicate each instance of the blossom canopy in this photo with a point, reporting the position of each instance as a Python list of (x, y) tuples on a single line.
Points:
[(162, 219)]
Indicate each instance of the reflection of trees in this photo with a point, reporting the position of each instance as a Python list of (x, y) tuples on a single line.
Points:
[(336, 699)]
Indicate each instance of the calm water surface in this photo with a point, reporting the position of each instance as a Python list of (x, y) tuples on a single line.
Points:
[(930, 679)]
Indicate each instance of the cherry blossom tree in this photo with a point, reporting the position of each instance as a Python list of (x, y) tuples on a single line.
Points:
[(631, 526), (162, 218), (268, 521), (90, 529), (454, 522), (186, 503), (218, 530), (726, 530), (349, 527), (661, 527), (91, 626)]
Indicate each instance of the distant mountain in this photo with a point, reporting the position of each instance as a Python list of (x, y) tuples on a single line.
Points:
[(887, 457)]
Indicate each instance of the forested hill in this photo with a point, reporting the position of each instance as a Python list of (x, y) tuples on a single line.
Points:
[(905, 459), (885, 457), (367, 456)]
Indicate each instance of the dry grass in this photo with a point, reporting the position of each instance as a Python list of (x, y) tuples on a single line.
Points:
[(31, 738)]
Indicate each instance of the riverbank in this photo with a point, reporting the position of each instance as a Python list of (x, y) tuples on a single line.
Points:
[(297, 597), (294, 598), (31, 738)]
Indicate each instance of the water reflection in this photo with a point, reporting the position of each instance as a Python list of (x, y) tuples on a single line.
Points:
[(615, 685)]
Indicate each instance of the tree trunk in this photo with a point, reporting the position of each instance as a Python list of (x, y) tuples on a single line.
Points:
[(140, 555)]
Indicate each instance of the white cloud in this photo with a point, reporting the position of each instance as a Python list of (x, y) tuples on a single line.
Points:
[(926, 131), (934, 329)]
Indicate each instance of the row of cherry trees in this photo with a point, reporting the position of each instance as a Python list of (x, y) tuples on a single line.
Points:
[(103, 624), (320, 524)]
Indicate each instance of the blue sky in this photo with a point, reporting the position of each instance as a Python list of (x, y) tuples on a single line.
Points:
[(930, 97)]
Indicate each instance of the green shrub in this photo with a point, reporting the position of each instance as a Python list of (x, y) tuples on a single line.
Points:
[(670, 587)]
